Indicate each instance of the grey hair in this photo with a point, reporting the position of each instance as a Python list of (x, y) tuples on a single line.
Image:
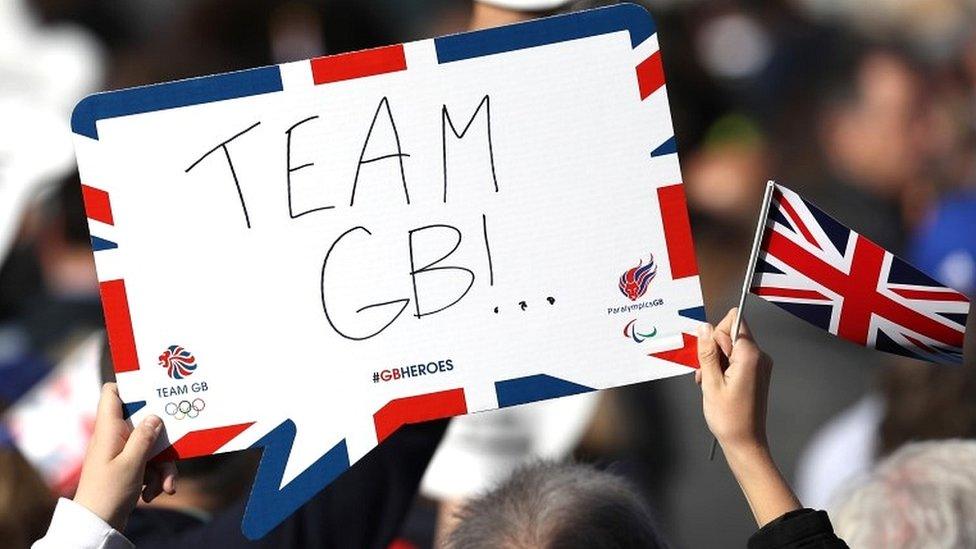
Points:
[(923, 495), (555, 506)]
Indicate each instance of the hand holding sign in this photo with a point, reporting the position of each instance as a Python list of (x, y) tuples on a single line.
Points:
[(115, 473), (307, 256)]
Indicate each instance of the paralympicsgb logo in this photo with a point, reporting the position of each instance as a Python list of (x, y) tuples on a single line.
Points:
[(179, 362), (633, 283)]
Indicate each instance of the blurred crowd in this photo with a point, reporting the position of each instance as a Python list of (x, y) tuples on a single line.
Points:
[(867, 108)]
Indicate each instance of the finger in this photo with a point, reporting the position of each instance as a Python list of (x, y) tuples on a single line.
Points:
[(141, 441), (744, 331), (724, 341), (154, 484), (109, 410), (725, 325), (710, 364), (746, 356), (169, 474), (106, 441)]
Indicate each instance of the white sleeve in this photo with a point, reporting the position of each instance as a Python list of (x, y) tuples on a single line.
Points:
[(75, 527)]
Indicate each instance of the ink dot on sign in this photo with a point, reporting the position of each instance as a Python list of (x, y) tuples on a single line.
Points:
[(523, 305), (551, 300), (496, 310)]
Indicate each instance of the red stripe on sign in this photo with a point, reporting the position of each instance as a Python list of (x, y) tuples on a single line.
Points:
[(686, 355), (201, 443), (401, 411), (358, 64), (787, 292), (650, 75), (677, 231), (931, 295), (97, 204), (118, 323)]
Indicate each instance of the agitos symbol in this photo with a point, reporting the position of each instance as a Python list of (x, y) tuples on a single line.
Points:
[(631, 331)]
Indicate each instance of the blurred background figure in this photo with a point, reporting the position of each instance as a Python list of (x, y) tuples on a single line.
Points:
[(26, 503), (868, 108), (923, 495), (45, 70), (553, 505), (909, 403), (482, 450)]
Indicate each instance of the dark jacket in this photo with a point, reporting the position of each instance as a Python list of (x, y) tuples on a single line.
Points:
[(363, 508), (800, 529)]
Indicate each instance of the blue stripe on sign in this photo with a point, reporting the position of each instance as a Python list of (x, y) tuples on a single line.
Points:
[(129, 408), (99, 244), (522, 390), (695, 313), (668, 147), (170, 95), (270, 502), (550, 30)]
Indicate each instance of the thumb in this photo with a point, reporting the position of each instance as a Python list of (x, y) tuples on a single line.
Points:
[(141, 440), (709, 357)]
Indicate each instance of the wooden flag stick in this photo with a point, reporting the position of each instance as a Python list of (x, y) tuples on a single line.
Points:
[(750, 273)]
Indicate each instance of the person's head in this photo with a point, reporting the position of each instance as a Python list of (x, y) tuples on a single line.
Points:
[(493, 13), (926, 402), (923, 495), (551, 506), (872, 122), (929, 401), (64, 247)]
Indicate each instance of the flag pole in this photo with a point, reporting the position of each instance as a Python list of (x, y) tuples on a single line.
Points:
[(750, 273), (753, 256)]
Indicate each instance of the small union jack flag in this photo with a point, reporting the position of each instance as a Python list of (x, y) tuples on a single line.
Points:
[(814, 267)]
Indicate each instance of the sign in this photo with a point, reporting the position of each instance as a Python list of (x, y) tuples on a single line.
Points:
[(306, 257)]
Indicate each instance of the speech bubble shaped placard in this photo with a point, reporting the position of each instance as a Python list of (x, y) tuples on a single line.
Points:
[(307, 256)]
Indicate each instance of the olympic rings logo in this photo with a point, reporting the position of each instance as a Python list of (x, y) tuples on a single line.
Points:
[(185, 408)]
